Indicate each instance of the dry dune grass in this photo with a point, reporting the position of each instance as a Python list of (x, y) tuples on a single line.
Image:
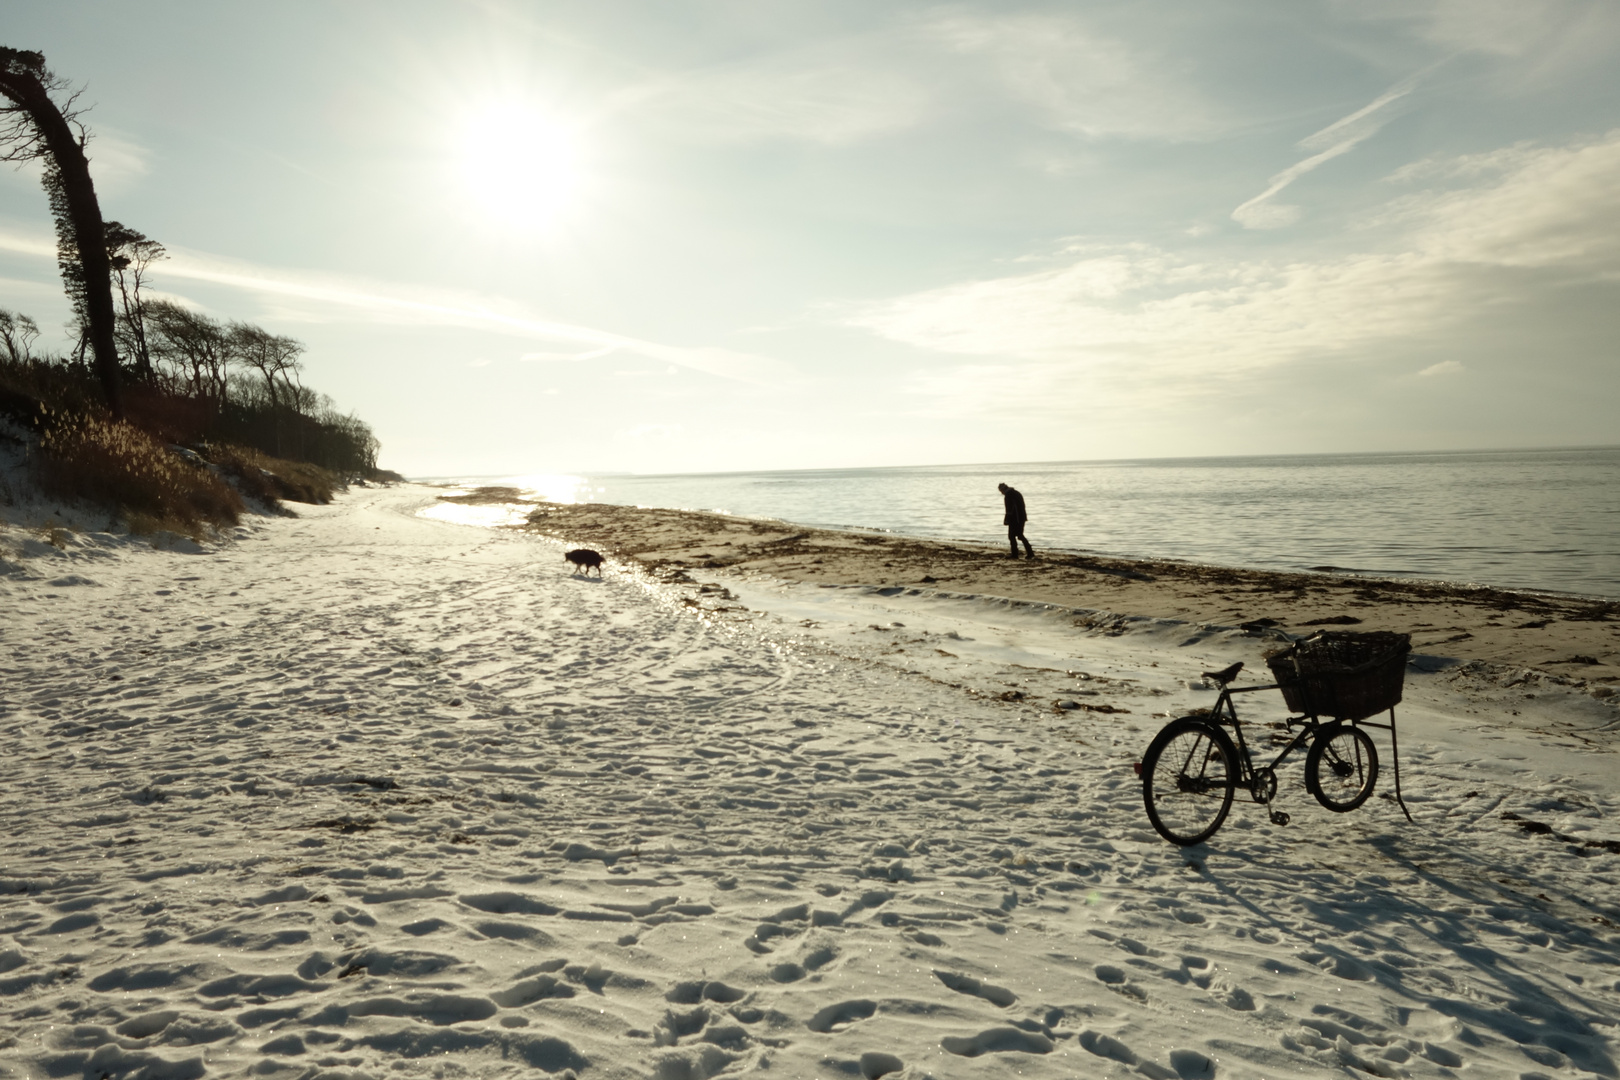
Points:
[(134, 465), (113, 462), (271, 479), (92, 457)]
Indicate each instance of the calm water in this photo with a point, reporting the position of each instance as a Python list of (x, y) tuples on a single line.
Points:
[(1519, 519)]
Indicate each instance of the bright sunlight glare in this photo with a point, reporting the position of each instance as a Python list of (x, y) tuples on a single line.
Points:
[(553, 487), (519, 167)]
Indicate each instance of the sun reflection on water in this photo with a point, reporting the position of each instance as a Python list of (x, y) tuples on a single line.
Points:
[(552, 487)]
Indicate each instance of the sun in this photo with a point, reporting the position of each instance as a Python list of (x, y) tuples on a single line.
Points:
[(517, 166)]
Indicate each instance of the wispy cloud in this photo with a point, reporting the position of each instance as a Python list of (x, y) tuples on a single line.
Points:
[(323, 298), (1081, 80), (833, 94), (1338, 138), (1152, 310), (26, 244), (1525, 207), (1148, 323), (1498, 27), (1071, 77), (119, 162)]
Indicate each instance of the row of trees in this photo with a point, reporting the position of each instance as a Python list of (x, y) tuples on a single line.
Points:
[(237, 381), (206, 381)]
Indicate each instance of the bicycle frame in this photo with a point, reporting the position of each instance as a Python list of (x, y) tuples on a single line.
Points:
[(1225, 712)]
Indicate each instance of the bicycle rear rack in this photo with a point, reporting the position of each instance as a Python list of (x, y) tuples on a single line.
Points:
[(1395, 754)]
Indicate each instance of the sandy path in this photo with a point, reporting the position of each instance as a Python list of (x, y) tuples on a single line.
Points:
[(367, 794)]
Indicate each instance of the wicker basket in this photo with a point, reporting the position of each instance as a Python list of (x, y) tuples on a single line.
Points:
[(1343, 675)]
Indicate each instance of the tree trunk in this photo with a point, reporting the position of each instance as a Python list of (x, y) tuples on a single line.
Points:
[(84, 212)]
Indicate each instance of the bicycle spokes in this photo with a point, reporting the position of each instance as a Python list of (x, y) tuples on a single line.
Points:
[(1188, 780), (1341, 768)]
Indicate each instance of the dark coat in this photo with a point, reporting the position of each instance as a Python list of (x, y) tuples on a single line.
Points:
[(1016, 515)]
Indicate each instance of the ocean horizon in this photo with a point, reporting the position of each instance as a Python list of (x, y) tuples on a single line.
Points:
[(1546, 519)]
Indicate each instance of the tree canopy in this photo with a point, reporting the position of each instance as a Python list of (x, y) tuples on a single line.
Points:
[(35, 126)]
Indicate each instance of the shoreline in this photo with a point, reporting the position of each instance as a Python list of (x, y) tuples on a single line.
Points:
[(1056, 553), (1572, 636), (1492, 521)]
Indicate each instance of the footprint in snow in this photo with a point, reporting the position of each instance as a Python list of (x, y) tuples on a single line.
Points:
[(1119, 982), (1001, 1040), (1239, 999), (1192, 1065), (508, 903), (877, 1064), (1136, 948), (527, 991), (678, 1025), (755, 943), (440, 1010), (1108, 1047), (691, 993), (512, 931), (966, 984), (147, 1024), (820, 957), (839, 1016)]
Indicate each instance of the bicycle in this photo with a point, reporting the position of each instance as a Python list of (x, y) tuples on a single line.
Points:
[(1193, 768)]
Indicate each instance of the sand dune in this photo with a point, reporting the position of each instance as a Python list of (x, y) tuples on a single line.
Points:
[(366, 793)]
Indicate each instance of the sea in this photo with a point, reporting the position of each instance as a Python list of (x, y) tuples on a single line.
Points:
[(1540, 520)]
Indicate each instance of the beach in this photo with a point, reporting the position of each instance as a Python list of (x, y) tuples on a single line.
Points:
[(366, 792), (1572, 636)]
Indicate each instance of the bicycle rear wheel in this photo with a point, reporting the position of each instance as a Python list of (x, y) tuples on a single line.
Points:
[(1188, 776), (1341, 767)]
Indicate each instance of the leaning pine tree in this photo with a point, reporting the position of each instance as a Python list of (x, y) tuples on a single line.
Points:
[(33, 126)]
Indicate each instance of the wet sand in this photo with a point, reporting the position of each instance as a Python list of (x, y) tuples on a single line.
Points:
[(1573, 637)]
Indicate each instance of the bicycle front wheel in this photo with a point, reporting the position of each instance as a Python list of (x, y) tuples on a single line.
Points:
[(1188, 776), (1341, 767)]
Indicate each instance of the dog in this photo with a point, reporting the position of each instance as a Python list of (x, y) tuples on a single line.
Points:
[(585, 559)]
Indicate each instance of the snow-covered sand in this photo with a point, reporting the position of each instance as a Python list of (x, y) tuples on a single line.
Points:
[(368, 793)]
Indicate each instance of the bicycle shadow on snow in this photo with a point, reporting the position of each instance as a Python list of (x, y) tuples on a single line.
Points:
[(1539, 1011)]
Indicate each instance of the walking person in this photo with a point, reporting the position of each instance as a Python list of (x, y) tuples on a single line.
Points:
[(1014, 520)]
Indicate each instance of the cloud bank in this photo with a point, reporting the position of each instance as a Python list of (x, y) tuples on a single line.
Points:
[(1490, 232)]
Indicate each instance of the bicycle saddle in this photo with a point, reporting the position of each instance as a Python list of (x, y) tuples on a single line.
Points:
[(1225, 675)]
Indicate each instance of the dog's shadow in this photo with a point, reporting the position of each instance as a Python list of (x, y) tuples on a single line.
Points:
[(577, 576)]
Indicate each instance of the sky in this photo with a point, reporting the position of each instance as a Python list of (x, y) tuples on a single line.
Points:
[(635, 235)]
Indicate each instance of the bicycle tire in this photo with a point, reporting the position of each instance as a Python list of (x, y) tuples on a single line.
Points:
[(1341, 767), (1188, 778)]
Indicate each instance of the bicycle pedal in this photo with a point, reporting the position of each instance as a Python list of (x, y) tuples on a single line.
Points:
[(1279, 818)]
